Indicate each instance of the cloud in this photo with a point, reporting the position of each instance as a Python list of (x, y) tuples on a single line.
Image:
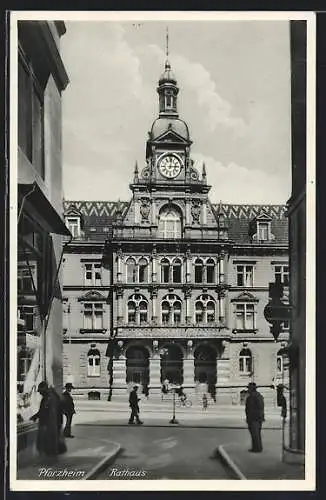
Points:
[(233, 183)]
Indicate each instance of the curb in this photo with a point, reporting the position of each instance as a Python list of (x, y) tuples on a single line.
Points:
[(167, 424), (104, 462), (225, 458)]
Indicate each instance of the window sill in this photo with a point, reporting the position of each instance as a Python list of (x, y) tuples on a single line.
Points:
[(92, 330), (249, 330)]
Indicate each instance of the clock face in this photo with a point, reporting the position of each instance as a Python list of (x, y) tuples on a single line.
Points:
[(170, 166)]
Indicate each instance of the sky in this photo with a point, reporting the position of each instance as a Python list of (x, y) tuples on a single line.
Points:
[(234, 80)]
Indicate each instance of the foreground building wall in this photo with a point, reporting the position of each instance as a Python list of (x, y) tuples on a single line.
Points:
[(41, 80)]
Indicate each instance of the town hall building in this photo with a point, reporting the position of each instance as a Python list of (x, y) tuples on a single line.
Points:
[(169, 285)]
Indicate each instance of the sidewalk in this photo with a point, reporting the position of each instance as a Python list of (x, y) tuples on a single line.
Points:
[(84, 459), (265, 465)]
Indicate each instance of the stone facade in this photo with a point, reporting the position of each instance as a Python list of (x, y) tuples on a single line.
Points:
[(180, 284)]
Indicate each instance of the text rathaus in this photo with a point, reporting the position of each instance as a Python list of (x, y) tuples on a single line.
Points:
[(170, 286)]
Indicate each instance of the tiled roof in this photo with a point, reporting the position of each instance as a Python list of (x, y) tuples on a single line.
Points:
[(99, 215)]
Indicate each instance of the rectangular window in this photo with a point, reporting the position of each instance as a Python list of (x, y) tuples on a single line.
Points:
[(245, 364), (94, 367), (245, 275), (25, 278), (93, 316), (165, 317), (28, 314), (245, 317), (281, 272), (73, 224), (30, 116), (263, 231), (93, 275), (279, 362)]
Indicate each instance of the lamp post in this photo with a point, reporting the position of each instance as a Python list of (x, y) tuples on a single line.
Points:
[(173, 420)]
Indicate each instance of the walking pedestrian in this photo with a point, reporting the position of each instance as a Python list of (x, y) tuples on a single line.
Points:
[(255, 416), (205, 402), (134, 405), (50, 440), (68, 408)]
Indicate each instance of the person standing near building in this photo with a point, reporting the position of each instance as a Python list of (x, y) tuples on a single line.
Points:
[(49, 439), (205, 401), (134, 405), (255, 416), (68, 409)]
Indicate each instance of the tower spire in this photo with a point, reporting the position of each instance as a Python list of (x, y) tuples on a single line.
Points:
[(167, 43)]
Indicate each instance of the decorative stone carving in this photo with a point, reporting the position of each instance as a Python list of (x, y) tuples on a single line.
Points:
[(145, 209), (195, 211)]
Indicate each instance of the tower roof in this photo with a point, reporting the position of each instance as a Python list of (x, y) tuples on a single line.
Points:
[(168, 75)]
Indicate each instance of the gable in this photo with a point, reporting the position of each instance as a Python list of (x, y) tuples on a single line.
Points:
[(172, 137)]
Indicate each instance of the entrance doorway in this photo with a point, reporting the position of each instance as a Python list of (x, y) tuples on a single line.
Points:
[(205, 366), (172, 364), (137, 365)]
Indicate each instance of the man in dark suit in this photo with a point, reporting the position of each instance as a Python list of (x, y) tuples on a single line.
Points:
[(68, 409), (255, 416), (133, 403)]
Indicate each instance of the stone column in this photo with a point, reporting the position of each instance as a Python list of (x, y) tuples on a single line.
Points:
[(188, 266), (137, 212), (189, 367), (187, 292), (153, 212), (120, 314), (119, 267), (154, 266), (204, 213), (154, 303), (119, 375), (221, 302), (187, 211), (155, 373), (221, 269)]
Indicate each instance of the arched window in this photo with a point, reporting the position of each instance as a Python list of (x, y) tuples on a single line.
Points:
[(165, 270), (245, 361), (169, 223), (131, 311), (143, 270), (199, 271), (137, 309), (143, 312), (165, 312), (93, 363), (210, 311), (171, 310), (205, 309), (131, 271), (176, 271), (210, 271), (199, 312)]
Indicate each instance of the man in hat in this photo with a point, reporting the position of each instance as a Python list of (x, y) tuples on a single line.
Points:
[(255, 416), (133, 403), (68, 409), (49, 439)]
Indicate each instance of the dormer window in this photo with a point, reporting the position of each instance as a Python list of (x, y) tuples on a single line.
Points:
[(73, 224), (263, 229)]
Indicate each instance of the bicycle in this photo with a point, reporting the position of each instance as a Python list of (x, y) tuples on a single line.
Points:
[(183, 403)]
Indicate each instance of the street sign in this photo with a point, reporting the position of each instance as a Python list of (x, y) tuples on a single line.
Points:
[(277, 312)]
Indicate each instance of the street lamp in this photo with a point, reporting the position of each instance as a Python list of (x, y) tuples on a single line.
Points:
[(173, 419)]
